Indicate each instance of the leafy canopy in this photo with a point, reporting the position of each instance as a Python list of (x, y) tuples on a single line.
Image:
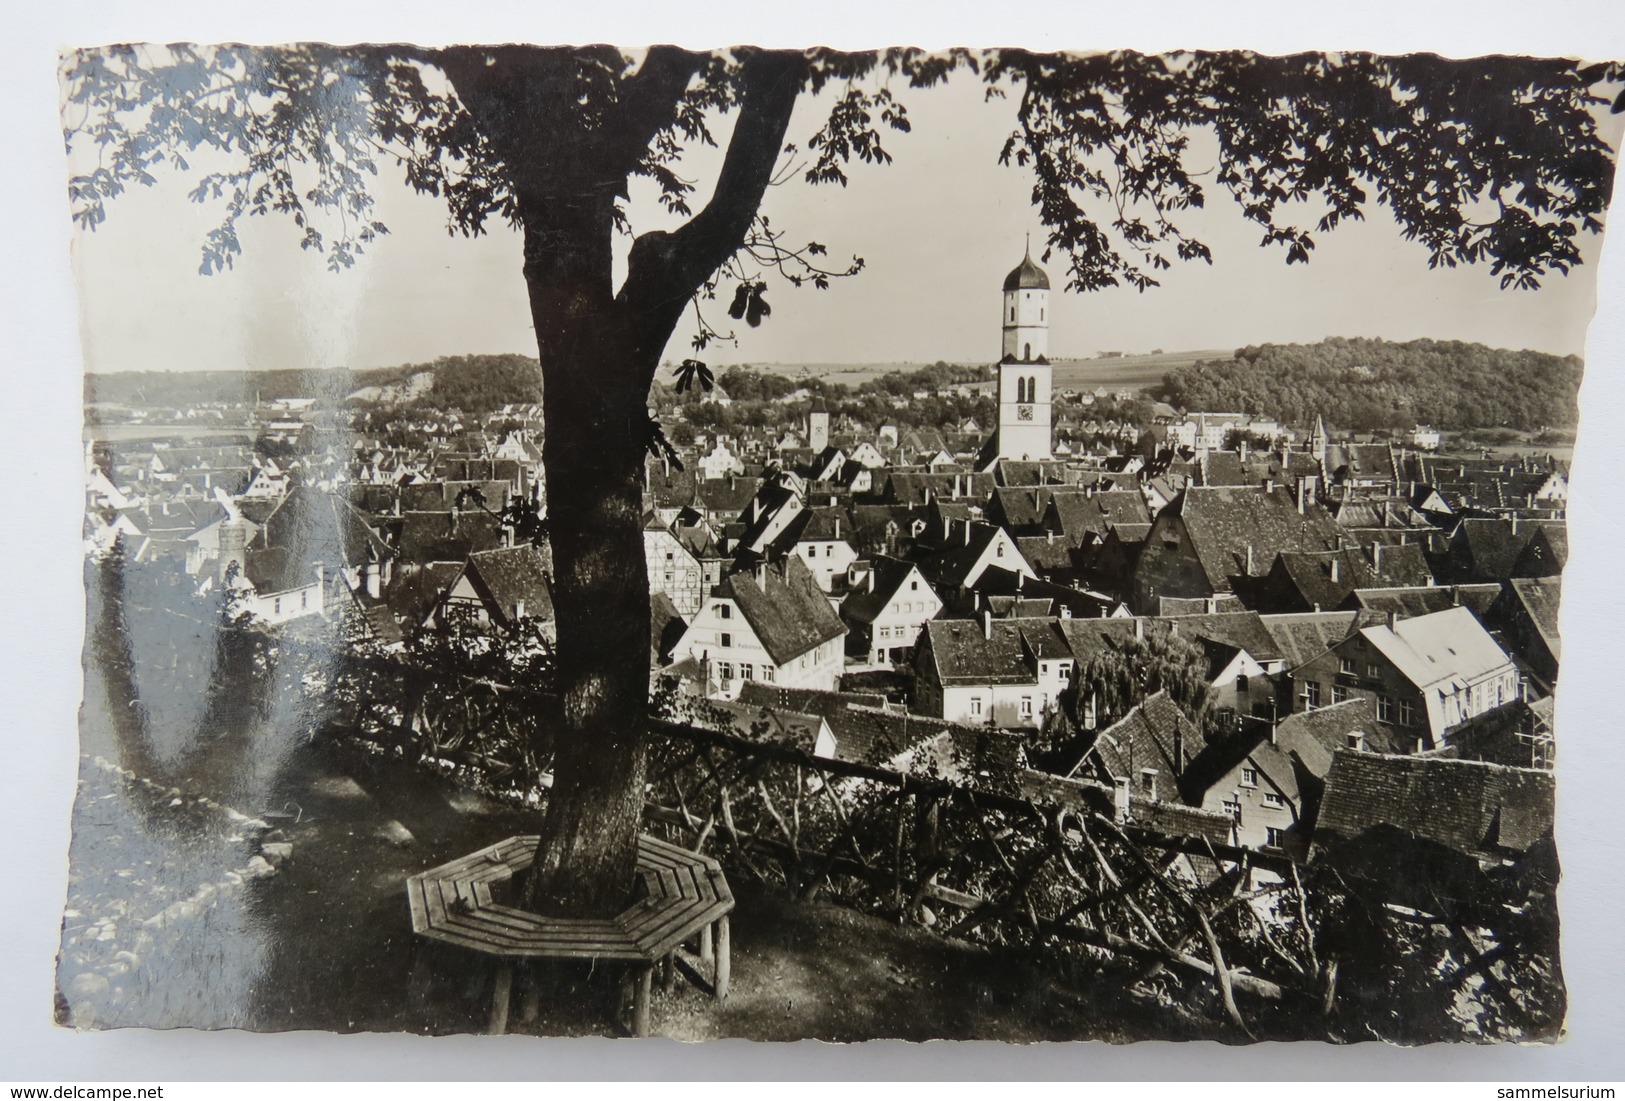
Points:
[(1495, 160)]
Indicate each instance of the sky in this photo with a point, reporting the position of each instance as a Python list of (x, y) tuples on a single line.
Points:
[(938, 229)]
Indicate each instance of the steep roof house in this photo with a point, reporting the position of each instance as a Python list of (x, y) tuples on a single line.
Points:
[(1210, 539), (885, 614), (499, 587), (770, 623)]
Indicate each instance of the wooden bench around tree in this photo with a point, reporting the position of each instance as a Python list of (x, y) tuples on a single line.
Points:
[(686, 896)]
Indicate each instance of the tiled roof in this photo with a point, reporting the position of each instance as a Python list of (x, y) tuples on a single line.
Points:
[(1154, 734), (1424, 599), (1313, 737), (1304, 636), (1079, 513), (1469, 806), (513, 576), (1224, 522), (1541, 598), (1432, 648), (784, 608)]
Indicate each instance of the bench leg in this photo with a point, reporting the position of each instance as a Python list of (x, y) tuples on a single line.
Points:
[(724, 965), (499, 1001), (707, 951), (640, 1003), (668, 972), (531, 1006)]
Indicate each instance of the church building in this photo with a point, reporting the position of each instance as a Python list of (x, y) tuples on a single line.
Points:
[(1024, 374)]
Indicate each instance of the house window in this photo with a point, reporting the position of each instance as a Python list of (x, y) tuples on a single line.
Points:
[(1249, 777), (767, 673), (724, 611), (1273, 799), (812, 551), (1232, 807), (1372, 670), (1346, 666), (1407, 713), (1026, 707), (304, 599), (1385, 709), (976, 706), (1148, 782), (745, 671), (1340, 694), (727, 639), (1311, 694), (913, 586), (1241, 683), (725, 671), (276, 606), (1272, 837), (998, 551)]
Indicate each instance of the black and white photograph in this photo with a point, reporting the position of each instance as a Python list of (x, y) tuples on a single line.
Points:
[(803, 543)]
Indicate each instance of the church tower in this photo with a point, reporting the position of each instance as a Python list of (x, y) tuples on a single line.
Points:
[(1024, 370), (818, 426)]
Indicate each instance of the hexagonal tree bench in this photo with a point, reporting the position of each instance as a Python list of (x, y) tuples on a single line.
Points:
[(686, 896)]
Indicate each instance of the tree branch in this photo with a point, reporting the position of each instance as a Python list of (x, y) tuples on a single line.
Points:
[(665, 268)]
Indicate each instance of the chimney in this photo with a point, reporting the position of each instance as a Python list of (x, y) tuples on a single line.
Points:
[(1302, 491), (967, 533), (1120, 798), (1212, 604), (1514, 523), (1336, 570), (1249, 559), (1269, 485), (233, 538), (837, 525), (1243, 448), (1376, 557), (1393, 621), (1455, 596), (1139, 627), (987, 623)]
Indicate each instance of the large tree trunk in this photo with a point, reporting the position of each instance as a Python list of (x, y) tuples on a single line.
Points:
[(594, 398), (599, 351)]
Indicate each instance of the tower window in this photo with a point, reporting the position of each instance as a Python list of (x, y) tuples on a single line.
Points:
[(1040, 313), (1026, 351), (1012, 313)]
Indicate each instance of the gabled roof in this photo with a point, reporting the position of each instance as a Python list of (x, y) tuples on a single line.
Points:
[(950, 565), (1304, 636), (1540, 598), (1313, 737), (512, 576), (963, 653), (784, 608), (1416, 600), (1078, 513), (1472, 807), (887, 577), (1154, 734), (1223, 522), (1438, 647)]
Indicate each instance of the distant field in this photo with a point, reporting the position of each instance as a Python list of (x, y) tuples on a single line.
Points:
[(121, 432), (1138, 372)]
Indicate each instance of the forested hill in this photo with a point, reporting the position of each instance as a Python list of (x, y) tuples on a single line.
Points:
[(474, 384), (1366, 384)]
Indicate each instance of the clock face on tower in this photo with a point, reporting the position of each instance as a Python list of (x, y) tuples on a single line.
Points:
[(1024, 412)]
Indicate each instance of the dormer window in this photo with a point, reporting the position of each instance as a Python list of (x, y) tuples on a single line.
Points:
[(1148, 783), (1354, 739), (1249, 777)]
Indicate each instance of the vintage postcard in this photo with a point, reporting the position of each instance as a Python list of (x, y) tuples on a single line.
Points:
[(789, 543)]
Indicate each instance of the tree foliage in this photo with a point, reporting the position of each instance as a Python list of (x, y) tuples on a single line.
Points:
[(1365, 384)]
